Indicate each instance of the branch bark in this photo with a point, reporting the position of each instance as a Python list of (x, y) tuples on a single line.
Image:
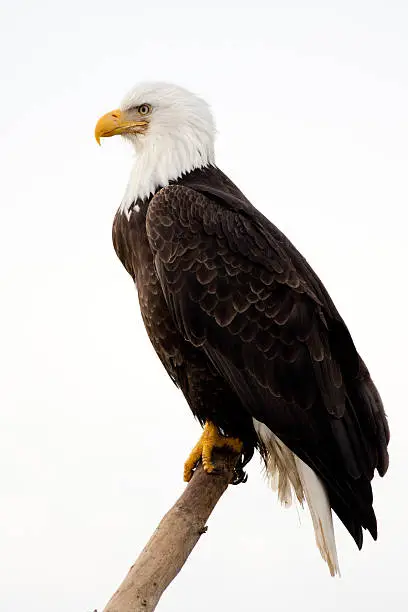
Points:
[(174, 539)]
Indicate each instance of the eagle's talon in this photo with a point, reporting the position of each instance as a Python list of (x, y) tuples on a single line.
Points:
[(210, 439), (209, 468)]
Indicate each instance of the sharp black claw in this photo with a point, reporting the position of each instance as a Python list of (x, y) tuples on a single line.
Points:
[(239, 474)]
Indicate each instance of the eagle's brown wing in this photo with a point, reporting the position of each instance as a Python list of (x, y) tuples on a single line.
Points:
[(261, 315)]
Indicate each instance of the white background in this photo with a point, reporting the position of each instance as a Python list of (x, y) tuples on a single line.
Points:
[(311, 104)]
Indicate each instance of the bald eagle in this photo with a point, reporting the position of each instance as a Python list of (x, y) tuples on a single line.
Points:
[(241, 322)]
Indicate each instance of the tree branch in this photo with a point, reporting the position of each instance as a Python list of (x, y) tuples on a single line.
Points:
[(174, 539)]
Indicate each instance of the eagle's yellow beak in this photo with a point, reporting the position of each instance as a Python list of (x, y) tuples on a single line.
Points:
[(116, 122)]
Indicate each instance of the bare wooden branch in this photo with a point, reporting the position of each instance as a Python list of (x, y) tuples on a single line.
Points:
[(174, 539)]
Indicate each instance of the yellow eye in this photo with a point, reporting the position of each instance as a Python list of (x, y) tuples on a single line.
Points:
[(144, 109)]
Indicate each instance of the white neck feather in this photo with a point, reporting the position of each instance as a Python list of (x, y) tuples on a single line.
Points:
[(178, 139), (164, 158)]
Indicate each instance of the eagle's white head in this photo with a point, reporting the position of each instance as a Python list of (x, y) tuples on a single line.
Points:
[(171, 129)]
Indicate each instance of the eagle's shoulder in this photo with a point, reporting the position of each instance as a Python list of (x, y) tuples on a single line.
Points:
[(210, 211)]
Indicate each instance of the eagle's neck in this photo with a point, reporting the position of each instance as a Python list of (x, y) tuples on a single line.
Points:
[(163, 159)]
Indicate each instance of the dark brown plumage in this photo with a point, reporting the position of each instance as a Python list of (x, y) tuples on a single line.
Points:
[(245, 328)]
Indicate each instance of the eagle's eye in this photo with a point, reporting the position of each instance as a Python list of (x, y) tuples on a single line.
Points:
[(144, 109)]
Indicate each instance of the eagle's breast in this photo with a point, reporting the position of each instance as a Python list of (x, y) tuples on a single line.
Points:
[(133, 249)]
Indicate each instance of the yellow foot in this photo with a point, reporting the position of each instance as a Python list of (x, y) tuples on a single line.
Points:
[(210, 439)]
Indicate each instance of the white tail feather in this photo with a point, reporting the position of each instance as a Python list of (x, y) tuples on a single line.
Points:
[(285, 472), (281, 469), (320, 511)]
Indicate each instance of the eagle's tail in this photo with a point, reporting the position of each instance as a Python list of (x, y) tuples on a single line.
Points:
[(320, 510), (287, 473)]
